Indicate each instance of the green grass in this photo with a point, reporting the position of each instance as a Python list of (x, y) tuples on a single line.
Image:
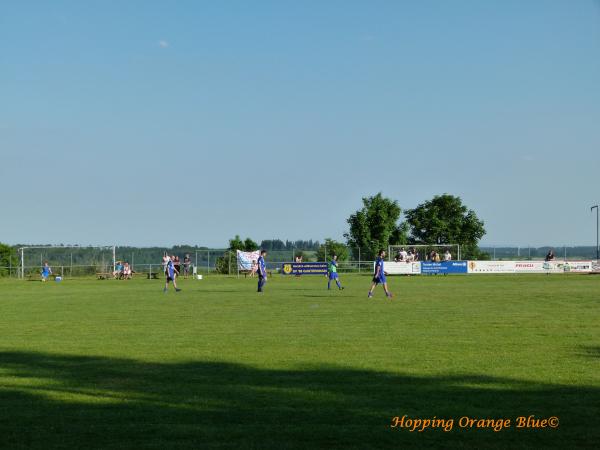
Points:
[(109, 364)]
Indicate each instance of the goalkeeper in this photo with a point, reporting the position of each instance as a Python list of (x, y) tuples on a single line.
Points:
[(332, 273)]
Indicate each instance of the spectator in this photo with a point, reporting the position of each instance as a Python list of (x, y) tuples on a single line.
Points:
[(118, 273), (403, 254), (550, 256), (253, 268), (176, 263), (126, 271), (187, 262), (415, 255), (447, 255)]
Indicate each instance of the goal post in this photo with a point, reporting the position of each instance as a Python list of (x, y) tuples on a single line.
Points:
[(74, 259), (424, 250)]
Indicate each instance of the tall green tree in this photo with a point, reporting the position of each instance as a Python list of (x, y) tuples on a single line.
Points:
[(250, 245), (375, 225), (8, 258), (227, 263), (246, 245), (330, 248), (445, 220)]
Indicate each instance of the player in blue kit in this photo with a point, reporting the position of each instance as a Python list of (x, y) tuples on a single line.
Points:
[(170, 274), (379, 276), (262, 270), (46, 271), (332, 273)]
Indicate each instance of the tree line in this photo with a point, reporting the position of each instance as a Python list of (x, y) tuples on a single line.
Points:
[(444, 219)]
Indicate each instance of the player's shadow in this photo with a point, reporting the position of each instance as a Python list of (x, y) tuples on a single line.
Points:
[(61, 401)]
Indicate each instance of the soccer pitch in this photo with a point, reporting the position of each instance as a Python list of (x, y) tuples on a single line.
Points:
[(120, 364)]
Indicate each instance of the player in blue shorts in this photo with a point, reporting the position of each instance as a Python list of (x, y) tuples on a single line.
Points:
[(332, 273), (46, 271), (379, 276), (171, 274), (262, 270)]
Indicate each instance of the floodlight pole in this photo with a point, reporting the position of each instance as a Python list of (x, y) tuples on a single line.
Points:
[(597, 234)]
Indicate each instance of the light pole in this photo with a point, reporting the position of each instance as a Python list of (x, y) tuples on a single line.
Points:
[(597, 235)]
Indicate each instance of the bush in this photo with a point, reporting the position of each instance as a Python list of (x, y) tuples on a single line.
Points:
[(8, 258)]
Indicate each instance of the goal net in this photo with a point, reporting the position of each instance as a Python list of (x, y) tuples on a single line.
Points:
[(424, 252), (67, 261)]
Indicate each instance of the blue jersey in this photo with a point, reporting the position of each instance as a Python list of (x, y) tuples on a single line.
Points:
[(170, 269), (379, 264), (262, 267), (46, 271)]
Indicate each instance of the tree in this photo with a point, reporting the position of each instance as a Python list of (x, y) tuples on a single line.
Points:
[(445, 220), (224, 264), (250, 245), (247, 245), (375, 226), (8, 258), (330, 248)]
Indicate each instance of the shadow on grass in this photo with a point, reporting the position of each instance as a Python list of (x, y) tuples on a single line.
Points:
[(591, 351), (59, 401)]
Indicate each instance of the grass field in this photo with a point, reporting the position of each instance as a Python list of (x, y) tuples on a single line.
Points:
[(114, 364)]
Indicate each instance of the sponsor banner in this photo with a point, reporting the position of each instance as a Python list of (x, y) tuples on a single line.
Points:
[(245, 259), (530, 266), (431, 267), (573, 266), (402, 268), (534, 267), (553, 266), (491, 267), (306, 268)]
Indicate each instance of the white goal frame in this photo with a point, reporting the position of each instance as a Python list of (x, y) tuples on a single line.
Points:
[(41, 247), (454, 249)]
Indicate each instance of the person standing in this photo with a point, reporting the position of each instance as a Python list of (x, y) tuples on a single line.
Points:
[(332, 273), (447, 255), (186, 265), (176, 263), (171, 275), (379, 276), (262, 270)]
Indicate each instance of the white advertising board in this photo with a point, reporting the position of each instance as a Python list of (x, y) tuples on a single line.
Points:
[(402, 268), (529, 266), (491, 267)]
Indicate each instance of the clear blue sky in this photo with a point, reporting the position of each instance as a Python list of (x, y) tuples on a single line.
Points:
[(156, 123)]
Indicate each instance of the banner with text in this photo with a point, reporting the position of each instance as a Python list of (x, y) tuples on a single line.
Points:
[(246, 259), (431, 267), (491, 267), (530, 266), (402, 268), (305, 268)]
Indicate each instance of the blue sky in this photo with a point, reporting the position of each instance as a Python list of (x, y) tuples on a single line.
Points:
[(157, 123)]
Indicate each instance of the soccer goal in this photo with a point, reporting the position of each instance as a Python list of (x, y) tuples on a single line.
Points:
[(424, 251), (67, 260)]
